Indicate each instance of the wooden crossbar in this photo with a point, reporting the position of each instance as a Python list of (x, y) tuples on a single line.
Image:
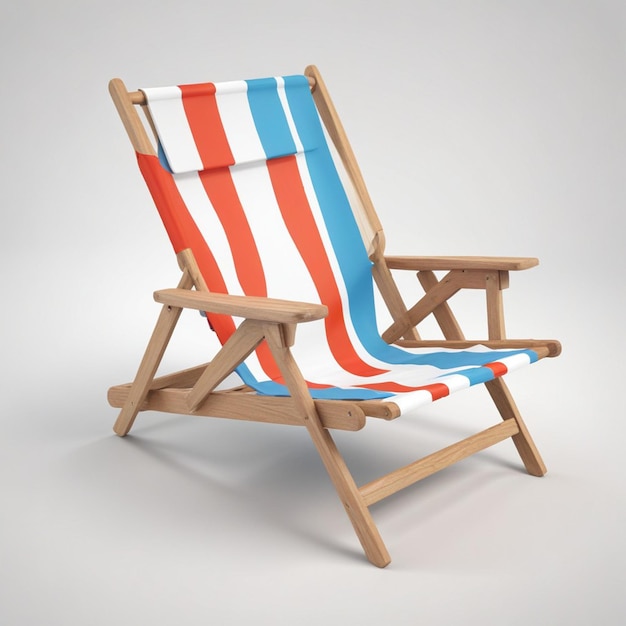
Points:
[(239, 405), (393, 482), (138, 97)]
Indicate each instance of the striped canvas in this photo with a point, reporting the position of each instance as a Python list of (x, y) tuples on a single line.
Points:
[(246, 179)]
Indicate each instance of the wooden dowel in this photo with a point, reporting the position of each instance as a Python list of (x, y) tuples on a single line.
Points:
[(138, 97), (405, 476), (239, 405)]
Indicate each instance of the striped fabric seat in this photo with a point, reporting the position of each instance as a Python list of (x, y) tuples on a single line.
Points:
[(246, 179)]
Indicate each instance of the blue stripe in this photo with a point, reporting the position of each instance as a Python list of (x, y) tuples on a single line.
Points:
[(269, 118), (346, 240), (348, 245), (271, 388)]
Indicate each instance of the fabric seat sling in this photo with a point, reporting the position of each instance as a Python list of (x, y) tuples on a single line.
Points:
[(246, 179)]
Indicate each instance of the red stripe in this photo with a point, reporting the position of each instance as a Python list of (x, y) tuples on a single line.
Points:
[(296, 211), (437, 390), (498, 369), (206, 125), (184, 233), (220, 189)]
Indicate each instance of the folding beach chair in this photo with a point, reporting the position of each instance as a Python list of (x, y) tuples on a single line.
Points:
[(280, 247)]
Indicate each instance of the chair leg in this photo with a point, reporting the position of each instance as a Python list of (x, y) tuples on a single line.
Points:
[(147, 369), (524, 443), (500, 394), (442, 313), (159, 340), (349, 493)]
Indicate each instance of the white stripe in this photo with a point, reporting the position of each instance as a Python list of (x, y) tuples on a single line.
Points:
[(238, 123), (454, 382), (287, 275), (201, 210), (285, 272), (282, 96), (168, 114), (408, 401), (515, 361)]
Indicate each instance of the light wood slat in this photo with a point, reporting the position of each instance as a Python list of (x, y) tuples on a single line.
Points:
[(182, 379), (543, 347), (524, 443), (442, 291), (378, 408), (231, 404), (348, 492), (150, 362), (237, 348), (187, 262), (185, 379), (132, 123), (495, 305), (473, 279), (443, 313), (393, 482), (391, 295), (257, 308), (446, 263)]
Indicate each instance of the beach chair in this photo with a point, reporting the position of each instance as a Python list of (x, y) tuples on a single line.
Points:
[(280, 248)]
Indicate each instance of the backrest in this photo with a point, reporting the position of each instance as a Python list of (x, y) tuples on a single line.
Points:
[(215, 125), (245, 177)]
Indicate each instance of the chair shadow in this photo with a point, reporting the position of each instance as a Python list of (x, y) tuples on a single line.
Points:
[(269, 470)]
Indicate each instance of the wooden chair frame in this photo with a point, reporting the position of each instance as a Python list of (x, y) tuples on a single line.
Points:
[(194, 391)]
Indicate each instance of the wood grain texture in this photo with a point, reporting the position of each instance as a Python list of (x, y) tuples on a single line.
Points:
[(401, 478), (193, 391), (249, 307), (244, 405), (445, 263)]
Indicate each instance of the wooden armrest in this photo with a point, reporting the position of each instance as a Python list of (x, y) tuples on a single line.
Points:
[(257, 308), (433, 263)]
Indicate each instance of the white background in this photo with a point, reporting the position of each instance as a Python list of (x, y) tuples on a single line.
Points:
[(482, 127)]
